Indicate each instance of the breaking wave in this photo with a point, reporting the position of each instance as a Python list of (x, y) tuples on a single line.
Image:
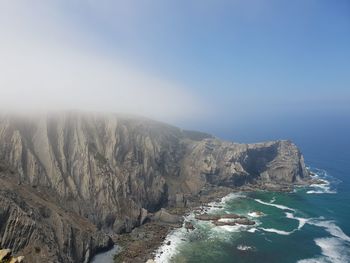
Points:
[(282, 207)]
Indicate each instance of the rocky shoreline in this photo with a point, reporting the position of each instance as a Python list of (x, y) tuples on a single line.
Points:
[(74, 178), (140, 245)]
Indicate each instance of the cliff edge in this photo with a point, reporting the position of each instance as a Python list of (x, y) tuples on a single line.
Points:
[(68, 178)]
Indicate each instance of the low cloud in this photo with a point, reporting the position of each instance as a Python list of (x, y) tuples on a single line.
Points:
[(39, 73)]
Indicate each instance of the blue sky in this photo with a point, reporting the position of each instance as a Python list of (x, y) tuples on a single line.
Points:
[(192, 63)]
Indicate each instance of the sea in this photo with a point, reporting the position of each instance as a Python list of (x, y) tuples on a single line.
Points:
[(310, 224)]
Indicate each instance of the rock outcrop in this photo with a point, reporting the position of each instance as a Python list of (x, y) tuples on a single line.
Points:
[(32, 222), (7, 257), (69, 177)]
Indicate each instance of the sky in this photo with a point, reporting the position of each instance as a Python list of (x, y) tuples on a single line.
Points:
[(202, 64)]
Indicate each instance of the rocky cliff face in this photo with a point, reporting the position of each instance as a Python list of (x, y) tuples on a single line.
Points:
[(106, 169)]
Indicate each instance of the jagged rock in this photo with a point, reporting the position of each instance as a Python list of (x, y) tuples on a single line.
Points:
[(166, 217), (63, 237), (95, 172), (207, 217), (189, 226), (234, 216), (244, 221), (5, 254), (220, 223), (17, 260), (143, 215)]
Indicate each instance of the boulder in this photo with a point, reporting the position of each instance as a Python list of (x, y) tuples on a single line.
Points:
[(165, 217), (189, 226), (143, 215), (220, 223), (233, 216), (244, 221), (207, 217)]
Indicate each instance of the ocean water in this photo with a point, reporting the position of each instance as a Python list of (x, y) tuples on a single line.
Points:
[(311, 224)]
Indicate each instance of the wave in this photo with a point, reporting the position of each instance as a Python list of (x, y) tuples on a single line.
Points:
[(252, 230), (179, 236), (329, 182), (165, 252), (236, 228), (217, 206), (245, 248), (282, 207), (324, 188), (302, 221), (331, 228), (333, 250), (280, 232), (255, 214), (313, 260)]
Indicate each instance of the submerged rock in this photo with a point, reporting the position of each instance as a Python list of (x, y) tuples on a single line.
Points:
[(244, 221), (189, 226)]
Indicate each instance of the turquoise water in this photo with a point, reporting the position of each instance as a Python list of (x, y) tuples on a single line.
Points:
[(312, 224)]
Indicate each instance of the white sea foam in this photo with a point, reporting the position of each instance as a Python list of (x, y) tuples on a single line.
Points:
[(245, 248), (166, 252), (282, 207), (280, 232), (255, 214), (327, 185), (324, 188), (252, 230), (321, 192), (321, 189), (313, 260), (273, 200), (302, 221), (226, 220), (331, 228), (333, 249), (179, 236), (236, 228), (217, 206)]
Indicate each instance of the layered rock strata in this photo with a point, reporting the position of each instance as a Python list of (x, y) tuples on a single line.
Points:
[(69, 177)]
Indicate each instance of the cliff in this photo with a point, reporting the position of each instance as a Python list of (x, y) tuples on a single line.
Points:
[(68, 178)]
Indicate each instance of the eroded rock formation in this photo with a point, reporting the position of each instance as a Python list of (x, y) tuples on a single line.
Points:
[(69, 177)]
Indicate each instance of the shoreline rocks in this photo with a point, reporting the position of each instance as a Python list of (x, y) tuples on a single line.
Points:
[(83, 176), (217, 219)]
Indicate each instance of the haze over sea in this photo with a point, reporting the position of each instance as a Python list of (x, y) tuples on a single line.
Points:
[(309, 225)]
